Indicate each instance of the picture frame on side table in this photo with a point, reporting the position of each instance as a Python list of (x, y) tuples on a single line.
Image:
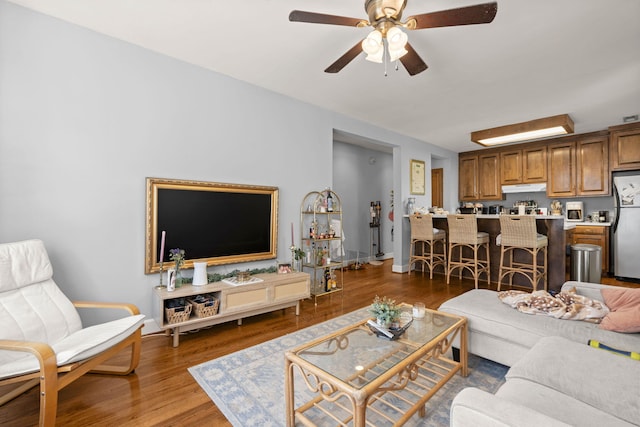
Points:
[(284, 268), (417, 177)]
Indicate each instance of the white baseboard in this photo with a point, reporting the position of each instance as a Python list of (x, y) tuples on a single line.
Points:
[(150, 327)]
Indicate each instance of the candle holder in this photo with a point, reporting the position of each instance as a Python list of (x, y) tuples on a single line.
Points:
[(161, 286)]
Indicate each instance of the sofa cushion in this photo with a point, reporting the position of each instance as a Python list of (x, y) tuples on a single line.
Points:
[(624, 304), (556, 405), (478, 408), (487, 315), (603, 380)]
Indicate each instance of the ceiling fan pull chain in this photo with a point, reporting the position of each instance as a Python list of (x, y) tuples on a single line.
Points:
[(384, 55)]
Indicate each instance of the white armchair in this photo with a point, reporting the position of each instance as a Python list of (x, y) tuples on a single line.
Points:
[(41, 335)]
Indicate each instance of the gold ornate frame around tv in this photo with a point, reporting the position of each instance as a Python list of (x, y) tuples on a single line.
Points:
[(213, 222)]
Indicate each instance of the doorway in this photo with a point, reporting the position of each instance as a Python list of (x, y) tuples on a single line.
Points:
[(437, 187)]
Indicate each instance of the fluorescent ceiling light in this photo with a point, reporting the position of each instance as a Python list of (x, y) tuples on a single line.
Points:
[(533, 129)]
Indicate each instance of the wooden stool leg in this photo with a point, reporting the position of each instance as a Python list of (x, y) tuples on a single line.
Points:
[(534, 263), (486, 247)]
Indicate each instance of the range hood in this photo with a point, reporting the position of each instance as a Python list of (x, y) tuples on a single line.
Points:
[(525, 188)]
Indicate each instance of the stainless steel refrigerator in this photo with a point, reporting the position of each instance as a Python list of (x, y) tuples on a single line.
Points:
[(626, 226)]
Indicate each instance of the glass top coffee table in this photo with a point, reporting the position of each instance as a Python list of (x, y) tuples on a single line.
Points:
[(358, 378)]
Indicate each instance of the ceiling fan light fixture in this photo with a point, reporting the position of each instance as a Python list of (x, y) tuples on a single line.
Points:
[(396, 38), (372, 45), (525, 131), (394, 55), (396, 41)]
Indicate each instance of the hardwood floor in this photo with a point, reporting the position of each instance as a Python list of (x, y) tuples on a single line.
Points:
[(162, 393)]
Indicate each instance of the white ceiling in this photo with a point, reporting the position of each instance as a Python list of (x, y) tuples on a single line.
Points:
[(538, 58)]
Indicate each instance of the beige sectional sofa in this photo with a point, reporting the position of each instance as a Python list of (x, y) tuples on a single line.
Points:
[(504, 335), (555, 378), (557, 383)]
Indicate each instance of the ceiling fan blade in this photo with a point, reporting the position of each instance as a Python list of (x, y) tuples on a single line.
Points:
[(412, 61), (320, 18), (345, 59), (478, 14)]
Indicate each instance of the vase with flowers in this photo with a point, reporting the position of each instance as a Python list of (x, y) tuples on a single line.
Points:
[(385, 310), (297, 255), (177, 255)]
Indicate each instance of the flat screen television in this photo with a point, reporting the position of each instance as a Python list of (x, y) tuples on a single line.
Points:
[(213, 222)]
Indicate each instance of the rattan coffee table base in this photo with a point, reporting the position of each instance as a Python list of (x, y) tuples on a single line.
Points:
[(397, 385)]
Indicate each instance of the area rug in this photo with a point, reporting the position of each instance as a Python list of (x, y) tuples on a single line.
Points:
[(248, 386)]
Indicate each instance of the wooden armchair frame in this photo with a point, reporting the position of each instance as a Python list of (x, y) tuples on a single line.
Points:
[(53, 378)]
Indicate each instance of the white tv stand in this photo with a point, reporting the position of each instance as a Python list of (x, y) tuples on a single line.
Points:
[(274, 292)]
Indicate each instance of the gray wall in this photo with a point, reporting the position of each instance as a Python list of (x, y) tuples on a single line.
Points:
[(85, 118)]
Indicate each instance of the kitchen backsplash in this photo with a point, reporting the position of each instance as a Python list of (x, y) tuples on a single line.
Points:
[(591, 204)]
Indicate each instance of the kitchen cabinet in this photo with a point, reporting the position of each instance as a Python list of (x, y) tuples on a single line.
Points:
[(594, 235), (511, 167), (579, 168), (561, 170), (592, 167), (572, 166), (624, 147), (468, 178), (523, 166), (489, 187), (534, 164), (479, 177)]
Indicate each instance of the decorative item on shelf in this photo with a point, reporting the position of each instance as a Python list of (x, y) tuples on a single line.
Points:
[(177, 255), (284, 268), (327, 280), (171, 279), (556, 208), (411, 205), (243, 276), (320, 256), (199, 274), (162, 239), (329, 200), (297, 255), (385, 310)]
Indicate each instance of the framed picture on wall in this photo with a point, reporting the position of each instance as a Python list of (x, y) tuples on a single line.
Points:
[(417, 177)]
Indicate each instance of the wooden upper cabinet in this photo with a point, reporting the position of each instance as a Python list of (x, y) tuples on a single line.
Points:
[(561, 169), (592, 167), (511, 167), (624, 147), (489, 187), (524, 166), (468, 178), (534, 165), (578, 168)]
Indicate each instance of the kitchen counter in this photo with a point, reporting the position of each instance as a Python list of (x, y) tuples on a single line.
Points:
[(553, 226), (496, 216), (571, 225)]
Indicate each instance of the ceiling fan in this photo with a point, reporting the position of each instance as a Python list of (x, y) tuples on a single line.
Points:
[(385, 17)]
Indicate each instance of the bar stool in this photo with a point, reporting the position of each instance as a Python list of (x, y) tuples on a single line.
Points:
[(463, 232), (520, 233), (423, 234)]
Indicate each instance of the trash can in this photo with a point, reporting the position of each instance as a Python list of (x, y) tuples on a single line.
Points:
[(586, 263)]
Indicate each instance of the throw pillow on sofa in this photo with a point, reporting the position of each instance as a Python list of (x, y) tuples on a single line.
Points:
[(624, 306)]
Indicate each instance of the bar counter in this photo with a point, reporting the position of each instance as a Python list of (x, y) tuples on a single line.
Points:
[(551, 226)]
